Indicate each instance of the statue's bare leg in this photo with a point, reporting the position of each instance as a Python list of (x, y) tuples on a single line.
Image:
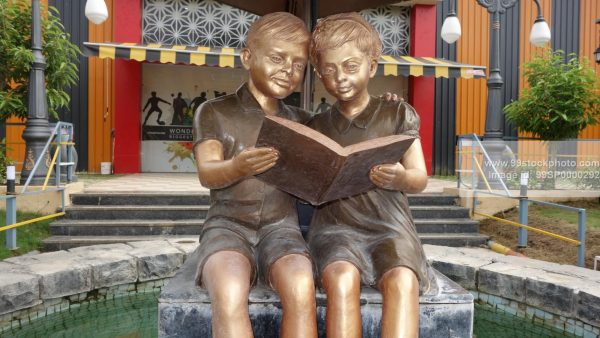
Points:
[(400, 289), (226, 275), (292, 277), (341, 280)]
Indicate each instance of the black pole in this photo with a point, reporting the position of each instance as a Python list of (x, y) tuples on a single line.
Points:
[(494, 118), (36, 131), (494, 121)]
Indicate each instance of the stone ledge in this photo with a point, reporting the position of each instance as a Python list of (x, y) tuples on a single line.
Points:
[(565, 290), (26, 281), (568, 291)]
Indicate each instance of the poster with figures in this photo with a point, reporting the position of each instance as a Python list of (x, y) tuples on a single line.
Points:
[(170, 96)]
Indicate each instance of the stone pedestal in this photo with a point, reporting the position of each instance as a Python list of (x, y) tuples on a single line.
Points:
[(185, 310)]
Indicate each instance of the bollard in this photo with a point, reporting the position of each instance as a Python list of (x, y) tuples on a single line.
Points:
[(10, 180), (11, 208), (523, 210)]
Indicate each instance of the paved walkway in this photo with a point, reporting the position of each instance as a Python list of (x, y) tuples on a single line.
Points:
[(187, 183)]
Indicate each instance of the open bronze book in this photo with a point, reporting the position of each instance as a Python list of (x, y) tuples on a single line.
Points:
[(315, 168)]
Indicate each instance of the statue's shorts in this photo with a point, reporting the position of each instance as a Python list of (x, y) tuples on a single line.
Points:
[(262, 247)]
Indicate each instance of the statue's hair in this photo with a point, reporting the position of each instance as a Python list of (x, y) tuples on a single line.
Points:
[(336, 30), (279, 26)]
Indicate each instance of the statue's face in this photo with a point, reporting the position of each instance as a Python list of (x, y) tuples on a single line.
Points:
[(277, 67), (345, 71)]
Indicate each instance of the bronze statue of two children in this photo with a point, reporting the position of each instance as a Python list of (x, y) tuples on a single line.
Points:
[(251, 231)]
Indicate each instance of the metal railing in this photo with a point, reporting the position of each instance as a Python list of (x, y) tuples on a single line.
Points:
[(478, 150), (57, 134), (62, 134)]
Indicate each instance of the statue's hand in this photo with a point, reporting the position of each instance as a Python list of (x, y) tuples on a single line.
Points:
[(388, 176), (253, 161)]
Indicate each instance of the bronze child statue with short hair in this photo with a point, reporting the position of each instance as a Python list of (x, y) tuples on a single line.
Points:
[(251, 230)]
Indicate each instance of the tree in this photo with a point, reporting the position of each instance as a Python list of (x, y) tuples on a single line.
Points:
[(16, 57), (563, 98)]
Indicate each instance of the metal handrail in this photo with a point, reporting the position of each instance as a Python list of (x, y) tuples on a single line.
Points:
[(11, 203), (581, 213), (523, 203), (476, 138), (53, 134)]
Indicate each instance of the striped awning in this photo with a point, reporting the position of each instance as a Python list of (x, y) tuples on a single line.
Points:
[(229, 57)]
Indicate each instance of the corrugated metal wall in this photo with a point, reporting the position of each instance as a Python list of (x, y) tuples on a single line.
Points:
[(589, 40), (444, 124), (101, 98), (565, 25), (472, 48), (72, 15), (14, 142)]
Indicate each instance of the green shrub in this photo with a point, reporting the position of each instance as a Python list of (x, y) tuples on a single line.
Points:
[(562, 98), (16, 57)]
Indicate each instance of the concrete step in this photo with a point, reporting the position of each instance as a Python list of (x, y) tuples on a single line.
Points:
[(143, 227), (199, 211), (452, 225), (162, 212), (431, 199), (199, 199), (456, 240), (439, 211), (54, 243), (140, 199), (62, 242), (126, 227)]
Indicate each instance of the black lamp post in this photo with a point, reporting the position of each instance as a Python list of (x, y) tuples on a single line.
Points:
[(540, 35), (37, 131), (494, 119)]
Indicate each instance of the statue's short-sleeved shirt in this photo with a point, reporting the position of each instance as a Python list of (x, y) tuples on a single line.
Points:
[(249, 210), (373, 230)]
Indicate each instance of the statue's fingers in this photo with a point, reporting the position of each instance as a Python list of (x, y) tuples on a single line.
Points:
[(257, 152), (387, 169), (264, 163), (377, 180), (264, 168), (384, 175), (262, 158)]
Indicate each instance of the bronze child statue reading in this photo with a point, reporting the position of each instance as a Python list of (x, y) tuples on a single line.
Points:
[(369, 237), (251, 231)]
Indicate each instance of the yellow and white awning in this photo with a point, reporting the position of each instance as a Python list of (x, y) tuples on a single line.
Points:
[(229, 57)]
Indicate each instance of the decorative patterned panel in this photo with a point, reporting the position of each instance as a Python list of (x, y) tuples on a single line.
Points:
[(194, 22), (393, 25), (210, 23)]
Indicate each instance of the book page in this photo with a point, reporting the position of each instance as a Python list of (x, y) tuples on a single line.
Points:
[(306, 167), (353, 177)]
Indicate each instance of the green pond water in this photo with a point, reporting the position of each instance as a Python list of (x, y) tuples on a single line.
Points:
[(136, 316)]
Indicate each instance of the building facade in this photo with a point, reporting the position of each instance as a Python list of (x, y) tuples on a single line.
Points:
[(117, 104)]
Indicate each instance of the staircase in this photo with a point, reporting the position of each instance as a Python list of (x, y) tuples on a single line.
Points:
[(101, 218)]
